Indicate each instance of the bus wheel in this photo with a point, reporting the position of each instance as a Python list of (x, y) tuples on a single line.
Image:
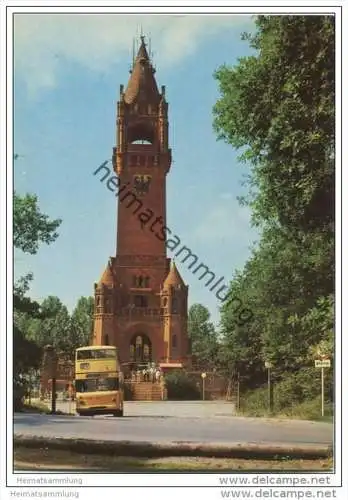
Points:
[(118, 413)]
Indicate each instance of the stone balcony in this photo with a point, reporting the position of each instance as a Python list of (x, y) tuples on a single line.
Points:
[(136, 312)]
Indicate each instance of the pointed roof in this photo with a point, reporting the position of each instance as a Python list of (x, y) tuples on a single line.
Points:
[(142, 83), (173, 278), (142, 52), (107, 277)]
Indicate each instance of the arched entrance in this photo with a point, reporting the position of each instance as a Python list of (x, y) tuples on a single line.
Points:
[(140, 349)]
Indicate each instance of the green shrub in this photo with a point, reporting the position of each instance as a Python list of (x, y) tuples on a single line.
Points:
[(309, 410), (298, 394), (255, 402), (181, 386)]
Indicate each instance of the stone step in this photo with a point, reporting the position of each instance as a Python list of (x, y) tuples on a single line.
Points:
[(145, 391)]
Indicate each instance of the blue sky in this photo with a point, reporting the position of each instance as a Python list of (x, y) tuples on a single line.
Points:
[(67, 75)]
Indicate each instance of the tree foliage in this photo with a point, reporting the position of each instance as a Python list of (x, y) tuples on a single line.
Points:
[(203, 337), (30, 226), (278, 106), (82, 321), (55, 326), (180, 386)]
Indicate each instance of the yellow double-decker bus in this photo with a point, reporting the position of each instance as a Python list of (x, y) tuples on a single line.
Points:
[(98, 381)]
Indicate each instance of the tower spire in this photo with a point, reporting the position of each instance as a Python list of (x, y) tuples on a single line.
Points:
[(142, 82), (133, 53)]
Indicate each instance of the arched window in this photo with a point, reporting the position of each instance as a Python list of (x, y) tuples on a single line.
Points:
[(141, 282), (141, 141), (146, 352), (140, 349), (141, 132), (131, 352)]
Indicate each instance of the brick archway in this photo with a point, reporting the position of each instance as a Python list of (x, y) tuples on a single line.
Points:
[(140, 348)]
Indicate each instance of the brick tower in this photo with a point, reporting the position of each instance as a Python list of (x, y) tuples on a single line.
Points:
[(141, 299)]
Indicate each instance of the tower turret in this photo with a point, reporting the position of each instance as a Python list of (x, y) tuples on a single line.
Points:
[(104, 305), (174, 310)]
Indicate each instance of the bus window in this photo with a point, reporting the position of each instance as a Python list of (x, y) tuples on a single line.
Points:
[(105, 353), (86, 385), (84, 354), (108, 384), (98, 385), (96, 354)]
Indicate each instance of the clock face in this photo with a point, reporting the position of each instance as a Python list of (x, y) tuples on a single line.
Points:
[(141, 184)]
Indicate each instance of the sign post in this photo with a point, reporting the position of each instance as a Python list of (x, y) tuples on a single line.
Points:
[(268, 365), (203, 375), (238, 391), (50, 362), (322, 364)]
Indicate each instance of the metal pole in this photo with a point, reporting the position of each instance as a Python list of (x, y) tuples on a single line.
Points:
[(322, 392), (54, 399), (270, 391), (238, 393), (203, 395), (30, 389)]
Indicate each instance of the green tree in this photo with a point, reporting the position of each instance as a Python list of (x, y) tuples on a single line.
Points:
[(82, 321), (26, 353), (203, 337), (53, 327), (278, 106), (30, 228)]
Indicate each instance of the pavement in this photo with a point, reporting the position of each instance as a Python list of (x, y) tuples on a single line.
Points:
[(176, 422), (197, 409)]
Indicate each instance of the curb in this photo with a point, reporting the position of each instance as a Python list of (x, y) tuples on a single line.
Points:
[(151, 449)]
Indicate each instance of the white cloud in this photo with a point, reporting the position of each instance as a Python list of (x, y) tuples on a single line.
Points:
[(44, 41)]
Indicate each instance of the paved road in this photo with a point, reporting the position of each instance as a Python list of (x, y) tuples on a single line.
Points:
[(172, 422), (167, 408)]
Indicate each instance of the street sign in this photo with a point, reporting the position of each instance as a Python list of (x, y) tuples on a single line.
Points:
[(203, 375), (268, 364), (322, 363)]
